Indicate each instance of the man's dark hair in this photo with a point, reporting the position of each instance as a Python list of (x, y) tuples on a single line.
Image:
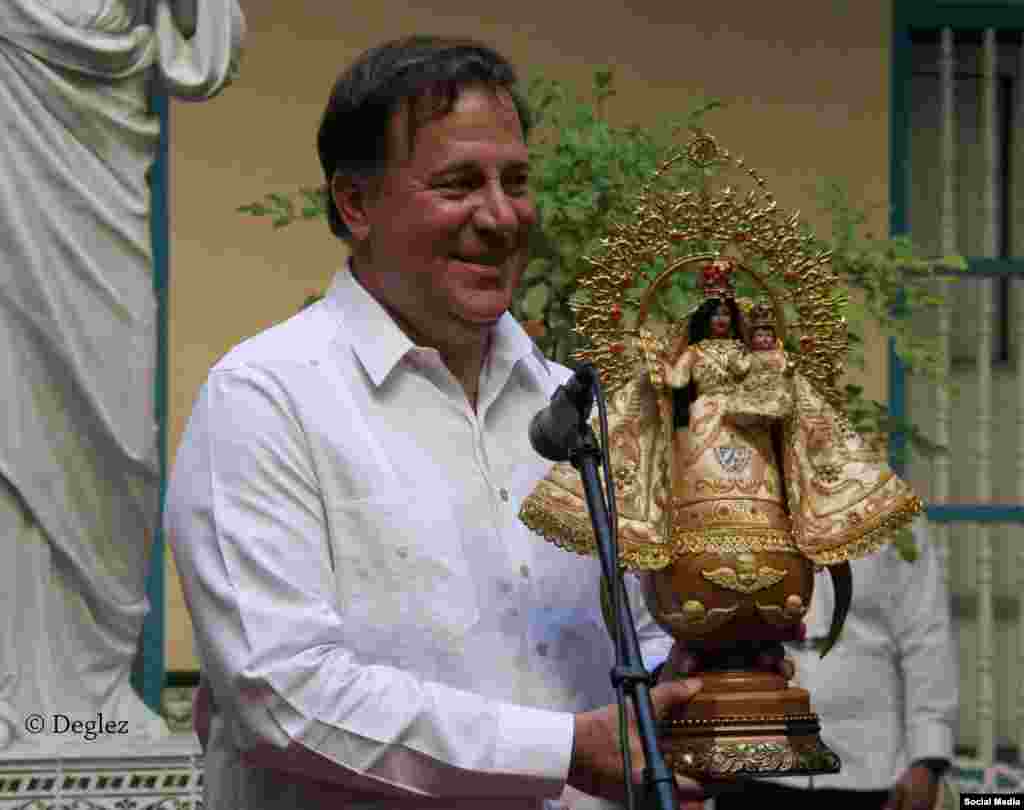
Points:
[(428, 71)]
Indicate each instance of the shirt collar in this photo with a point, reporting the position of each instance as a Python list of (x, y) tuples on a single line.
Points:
[(380, 344)]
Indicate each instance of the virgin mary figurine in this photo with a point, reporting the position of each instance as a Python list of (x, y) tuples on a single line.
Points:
[(732, 483)]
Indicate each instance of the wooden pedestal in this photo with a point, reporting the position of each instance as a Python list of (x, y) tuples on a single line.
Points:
[(745, 723)]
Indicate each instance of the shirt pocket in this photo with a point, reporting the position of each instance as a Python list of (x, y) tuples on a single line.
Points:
[(403, 581)]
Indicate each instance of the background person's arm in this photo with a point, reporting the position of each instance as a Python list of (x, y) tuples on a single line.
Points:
[(922, 631)]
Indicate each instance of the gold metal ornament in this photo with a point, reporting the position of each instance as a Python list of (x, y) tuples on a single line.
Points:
[(761, 314), (772, 247), (745, 578)]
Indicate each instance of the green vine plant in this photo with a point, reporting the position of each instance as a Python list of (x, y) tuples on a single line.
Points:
[(585, 172)]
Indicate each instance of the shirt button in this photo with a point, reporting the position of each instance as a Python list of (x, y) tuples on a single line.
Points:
[(504, 494)]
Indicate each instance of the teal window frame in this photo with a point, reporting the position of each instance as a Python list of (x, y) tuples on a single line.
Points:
[(148, 673), (932, 14)]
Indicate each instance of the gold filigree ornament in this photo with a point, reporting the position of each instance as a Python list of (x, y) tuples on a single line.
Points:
[(771, 247), (745, 577)]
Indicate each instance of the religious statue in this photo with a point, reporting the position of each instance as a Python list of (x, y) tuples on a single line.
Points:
[(735, 470), (79, 455)]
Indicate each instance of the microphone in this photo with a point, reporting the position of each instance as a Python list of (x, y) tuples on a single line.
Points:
[(552, 429)]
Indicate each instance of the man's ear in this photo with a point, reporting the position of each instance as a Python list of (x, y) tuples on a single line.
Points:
[(350, 196)]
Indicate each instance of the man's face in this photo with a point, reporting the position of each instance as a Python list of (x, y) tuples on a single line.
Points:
[(445, 227), (763, 339)]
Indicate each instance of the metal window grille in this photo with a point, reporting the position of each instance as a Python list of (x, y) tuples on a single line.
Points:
[(959, 189)]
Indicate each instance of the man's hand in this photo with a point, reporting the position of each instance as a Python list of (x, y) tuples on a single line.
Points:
[(596, 766), (917, 789)]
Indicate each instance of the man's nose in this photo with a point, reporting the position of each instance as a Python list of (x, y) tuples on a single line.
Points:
[(496, 212)]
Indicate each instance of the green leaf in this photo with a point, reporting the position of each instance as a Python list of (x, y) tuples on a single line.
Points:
[(535, 301), (538, 268), (905, 545)]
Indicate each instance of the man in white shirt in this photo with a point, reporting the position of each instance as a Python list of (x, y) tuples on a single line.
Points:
[(376, 627), (887, 692)]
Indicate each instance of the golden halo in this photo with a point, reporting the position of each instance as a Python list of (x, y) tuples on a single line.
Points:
[(791, 269)]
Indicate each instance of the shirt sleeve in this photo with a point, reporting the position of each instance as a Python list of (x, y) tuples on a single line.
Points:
[(922, 630), (655, 643), (246, 522)]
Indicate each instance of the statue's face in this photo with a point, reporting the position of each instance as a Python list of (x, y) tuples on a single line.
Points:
[(721, 322), (763, 339)]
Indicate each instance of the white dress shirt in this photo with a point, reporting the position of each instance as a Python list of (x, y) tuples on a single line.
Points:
[(887, 693), (370, 613)]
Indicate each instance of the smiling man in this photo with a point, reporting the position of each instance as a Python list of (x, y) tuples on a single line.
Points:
[(440, 236), (377, 627)]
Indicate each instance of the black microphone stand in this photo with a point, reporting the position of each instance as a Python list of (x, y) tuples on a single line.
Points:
[(628, 674)]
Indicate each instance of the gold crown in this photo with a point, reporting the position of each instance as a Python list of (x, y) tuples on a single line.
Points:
[(761, 315), (716, 279)]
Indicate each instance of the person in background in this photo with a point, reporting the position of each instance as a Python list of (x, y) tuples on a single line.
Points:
[(886, 694)]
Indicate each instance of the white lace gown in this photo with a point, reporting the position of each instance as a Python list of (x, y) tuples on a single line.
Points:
[(79, 475)]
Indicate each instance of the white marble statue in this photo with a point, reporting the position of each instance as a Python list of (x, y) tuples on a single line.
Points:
[(79, 474)]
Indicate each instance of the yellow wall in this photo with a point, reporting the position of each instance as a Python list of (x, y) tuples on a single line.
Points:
[(806, 84)]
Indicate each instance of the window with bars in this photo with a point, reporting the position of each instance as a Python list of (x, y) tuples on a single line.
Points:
[(957, 187), (984, 229)]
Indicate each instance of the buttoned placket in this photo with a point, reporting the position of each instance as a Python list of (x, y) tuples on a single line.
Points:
[(515, 593), (500, 504), (516, 587), (427, 361)]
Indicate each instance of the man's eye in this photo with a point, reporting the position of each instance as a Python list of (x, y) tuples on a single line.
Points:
[(459, 184), (518, 185)]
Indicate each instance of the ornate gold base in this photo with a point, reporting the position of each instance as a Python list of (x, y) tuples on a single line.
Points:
[(744, 724), (767, 747)]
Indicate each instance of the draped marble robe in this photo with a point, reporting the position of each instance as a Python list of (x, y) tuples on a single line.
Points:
[(79, 471)]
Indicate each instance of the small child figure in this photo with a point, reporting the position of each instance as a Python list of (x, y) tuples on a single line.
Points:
[(766, 391)]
